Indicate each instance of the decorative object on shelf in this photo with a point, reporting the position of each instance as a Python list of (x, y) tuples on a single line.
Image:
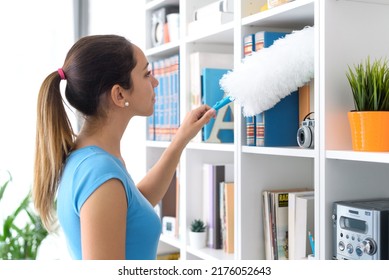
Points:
[(369, 122), (269, 75), (169, 225), (197, 234), (305, 134), (159, 25)]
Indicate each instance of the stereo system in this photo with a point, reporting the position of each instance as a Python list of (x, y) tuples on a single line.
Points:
[(361, 229)]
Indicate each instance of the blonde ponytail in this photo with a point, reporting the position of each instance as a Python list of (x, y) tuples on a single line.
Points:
[(54, 140)]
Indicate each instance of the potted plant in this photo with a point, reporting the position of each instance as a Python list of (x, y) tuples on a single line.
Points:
[(369, 122), (197, 234), (20, 237)]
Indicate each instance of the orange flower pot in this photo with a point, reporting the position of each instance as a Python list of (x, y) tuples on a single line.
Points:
[(369, 130)]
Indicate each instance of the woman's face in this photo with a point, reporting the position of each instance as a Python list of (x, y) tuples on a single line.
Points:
[(142, 96)]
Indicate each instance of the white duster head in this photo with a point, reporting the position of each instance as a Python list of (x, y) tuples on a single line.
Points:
[(265, 77)]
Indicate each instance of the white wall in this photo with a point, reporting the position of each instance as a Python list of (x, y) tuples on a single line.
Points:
[(125, 18), (35, 36)]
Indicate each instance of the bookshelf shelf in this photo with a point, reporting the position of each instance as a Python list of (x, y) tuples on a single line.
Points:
[(291, 15), (358, 156), (211, 147), (332, 169), (290, 151), (218, 34), (209, 254), (163, 50), (170, 240), (155, 4), (157, 144)]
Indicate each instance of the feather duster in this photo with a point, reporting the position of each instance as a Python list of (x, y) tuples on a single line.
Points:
[(263, 78)]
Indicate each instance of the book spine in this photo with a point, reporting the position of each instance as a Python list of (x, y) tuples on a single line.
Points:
[(166, 117), (248, 49)]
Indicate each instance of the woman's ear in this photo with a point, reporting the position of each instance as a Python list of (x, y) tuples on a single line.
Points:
[(117, 96)]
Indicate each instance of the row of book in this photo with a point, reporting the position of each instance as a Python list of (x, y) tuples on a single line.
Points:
[(275, 127), (218, 205), (165, 121), (288, 219)]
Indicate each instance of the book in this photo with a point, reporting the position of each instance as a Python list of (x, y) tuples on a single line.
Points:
[(281, 224), (221, 128), (213, 176), (199, 61), (209, 10), (248, 49), (293, 216), (223, 218), (169, 256), (229, 214), (278, 126), (248, 44), (306, 100), (304, 224)]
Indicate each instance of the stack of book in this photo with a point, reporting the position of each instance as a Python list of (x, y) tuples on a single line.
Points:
[(163, 124), (213, 14), (218, 193), (288, 217)]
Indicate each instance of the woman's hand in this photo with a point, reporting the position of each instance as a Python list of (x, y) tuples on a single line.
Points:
[(193, 122)]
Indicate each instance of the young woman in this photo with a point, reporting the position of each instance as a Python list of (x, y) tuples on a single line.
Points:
[(101, 211)]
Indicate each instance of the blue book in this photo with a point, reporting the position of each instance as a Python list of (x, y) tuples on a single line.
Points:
[(277, 126), (212, 93)]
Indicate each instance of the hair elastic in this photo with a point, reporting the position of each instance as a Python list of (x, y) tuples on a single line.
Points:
[(61, 74)]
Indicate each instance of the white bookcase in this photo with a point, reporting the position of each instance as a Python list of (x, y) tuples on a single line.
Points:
[(345, 33)]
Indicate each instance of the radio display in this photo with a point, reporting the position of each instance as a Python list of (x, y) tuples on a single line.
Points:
[(353, 224)]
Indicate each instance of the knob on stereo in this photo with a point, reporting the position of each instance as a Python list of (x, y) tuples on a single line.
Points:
[(369, 246)]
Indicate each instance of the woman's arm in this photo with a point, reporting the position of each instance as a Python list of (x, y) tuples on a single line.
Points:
[(155, 184), (103, 223)]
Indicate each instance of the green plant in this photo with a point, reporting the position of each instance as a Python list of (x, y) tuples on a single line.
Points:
[(197, 225), (370, 85), (20, 242)]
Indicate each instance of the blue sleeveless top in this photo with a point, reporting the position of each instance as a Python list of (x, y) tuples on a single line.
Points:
[(84, 171)]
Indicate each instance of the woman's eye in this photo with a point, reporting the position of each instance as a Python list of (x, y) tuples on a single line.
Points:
[(148, 74)]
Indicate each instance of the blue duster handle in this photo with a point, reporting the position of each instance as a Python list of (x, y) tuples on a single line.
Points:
[(223, 102)]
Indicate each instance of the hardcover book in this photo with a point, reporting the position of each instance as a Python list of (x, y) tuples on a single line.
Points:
[(199, 61), (220, 129), (293, 216)]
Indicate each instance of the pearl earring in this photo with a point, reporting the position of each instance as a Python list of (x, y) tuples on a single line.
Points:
[(126, 104)]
